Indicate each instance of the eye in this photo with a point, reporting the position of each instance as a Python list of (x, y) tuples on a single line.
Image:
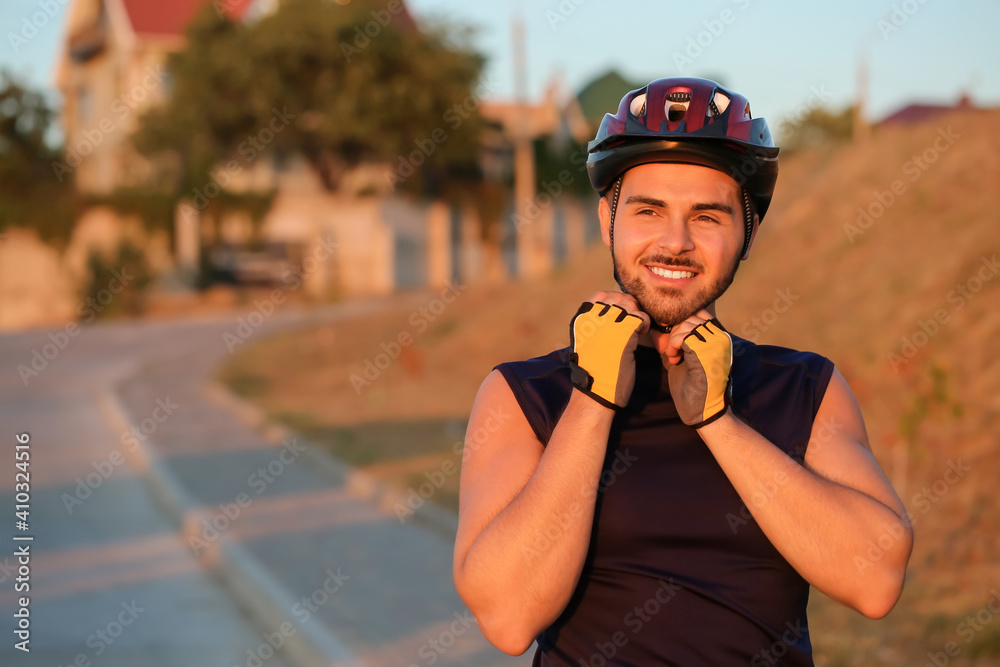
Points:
[(646, 211)]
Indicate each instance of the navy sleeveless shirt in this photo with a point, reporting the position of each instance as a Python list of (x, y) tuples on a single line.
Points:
[(677, 571)]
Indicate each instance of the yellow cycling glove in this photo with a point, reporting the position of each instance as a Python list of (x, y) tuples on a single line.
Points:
[(700, 384), (603, 338)]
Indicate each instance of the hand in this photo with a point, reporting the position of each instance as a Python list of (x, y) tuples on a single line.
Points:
[(603, 337), (698, 356)]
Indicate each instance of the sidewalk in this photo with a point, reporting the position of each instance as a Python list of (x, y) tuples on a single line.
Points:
[(298, 539)]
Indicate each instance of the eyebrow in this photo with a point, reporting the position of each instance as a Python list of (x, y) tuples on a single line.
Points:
[(706, 206)]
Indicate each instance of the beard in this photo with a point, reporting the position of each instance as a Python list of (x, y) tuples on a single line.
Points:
[(667, 305)]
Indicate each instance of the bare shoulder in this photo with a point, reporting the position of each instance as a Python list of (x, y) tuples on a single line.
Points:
[(839, 449), (501, 452)]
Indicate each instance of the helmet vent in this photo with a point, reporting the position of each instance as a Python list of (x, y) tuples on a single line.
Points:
[(719, 104), (676, 105), (638, 105)]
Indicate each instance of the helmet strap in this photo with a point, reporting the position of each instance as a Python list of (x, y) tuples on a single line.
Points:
[(616, 191), (748, 217), (617, 188)]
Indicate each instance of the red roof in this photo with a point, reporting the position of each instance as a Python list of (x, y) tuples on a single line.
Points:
[(157, 17), (170, 18), (914, 113)]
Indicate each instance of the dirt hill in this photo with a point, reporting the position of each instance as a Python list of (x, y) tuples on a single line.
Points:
[(887, 254)]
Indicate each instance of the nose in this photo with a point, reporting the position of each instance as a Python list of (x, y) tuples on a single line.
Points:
[(674, 237)]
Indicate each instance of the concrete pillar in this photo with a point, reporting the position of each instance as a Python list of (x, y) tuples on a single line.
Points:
[(470, 254), (187, 239), (439, 268), (316, 264), (384, 275), (576, 222), (526, 210)]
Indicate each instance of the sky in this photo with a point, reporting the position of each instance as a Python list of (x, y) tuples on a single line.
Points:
[(784, 56)]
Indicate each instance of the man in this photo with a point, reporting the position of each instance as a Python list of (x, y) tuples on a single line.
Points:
[(661, 492)]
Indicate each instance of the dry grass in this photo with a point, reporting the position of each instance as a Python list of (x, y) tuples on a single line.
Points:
[(856, 302)]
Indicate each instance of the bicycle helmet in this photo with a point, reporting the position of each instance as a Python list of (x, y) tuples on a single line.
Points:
[(691, 121)]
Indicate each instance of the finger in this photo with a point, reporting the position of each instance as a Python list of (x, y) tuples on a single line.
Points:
[(627, 303), (646, 322), (660, 340), (673, 350)]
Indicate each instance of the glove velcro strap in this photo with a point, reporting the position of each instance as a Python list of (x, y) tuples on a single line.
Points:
[(727, 403)]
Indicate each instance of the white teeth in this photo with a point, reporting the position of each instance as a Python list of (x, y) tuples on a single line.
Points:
[(667, 273)]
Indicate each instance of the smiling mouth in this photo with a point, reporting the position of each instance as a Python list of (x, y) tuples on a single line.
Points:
[(670, 273), (662, 269)]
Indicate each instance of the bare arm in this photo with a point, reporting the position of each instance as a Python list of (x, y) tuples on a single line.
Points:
[(526, 512), (825, 517)]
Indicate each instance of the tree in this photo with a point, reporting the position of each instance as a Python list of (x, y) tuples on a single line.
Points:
[(816, 126), (29, 195), (348, 84)]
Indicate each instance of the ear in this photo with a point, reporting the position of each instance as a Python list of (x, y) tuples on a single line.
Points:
[(753, 235), (604, 213)]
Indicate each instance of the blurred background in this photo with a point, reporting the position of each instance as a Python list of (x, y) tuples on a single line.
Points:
[(256, 257)]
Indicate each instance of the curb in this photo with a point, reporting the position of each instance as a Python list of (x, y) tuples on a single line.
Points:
[(438, 520), (242, 575)]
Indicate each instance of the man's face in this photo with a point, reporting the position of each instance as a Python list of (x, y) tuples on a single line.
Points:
[(678, 232)]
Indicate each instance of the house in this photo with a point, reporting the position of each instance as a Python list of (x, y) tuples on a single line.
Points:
[(915, 113), (112, 68)]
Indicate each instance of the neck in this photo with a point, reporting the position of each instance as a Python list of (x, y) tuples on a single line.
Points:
[(647, 339)]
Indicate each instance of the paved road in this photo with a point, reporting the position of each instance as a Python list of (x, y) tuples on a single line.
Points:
[(198, 539)]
